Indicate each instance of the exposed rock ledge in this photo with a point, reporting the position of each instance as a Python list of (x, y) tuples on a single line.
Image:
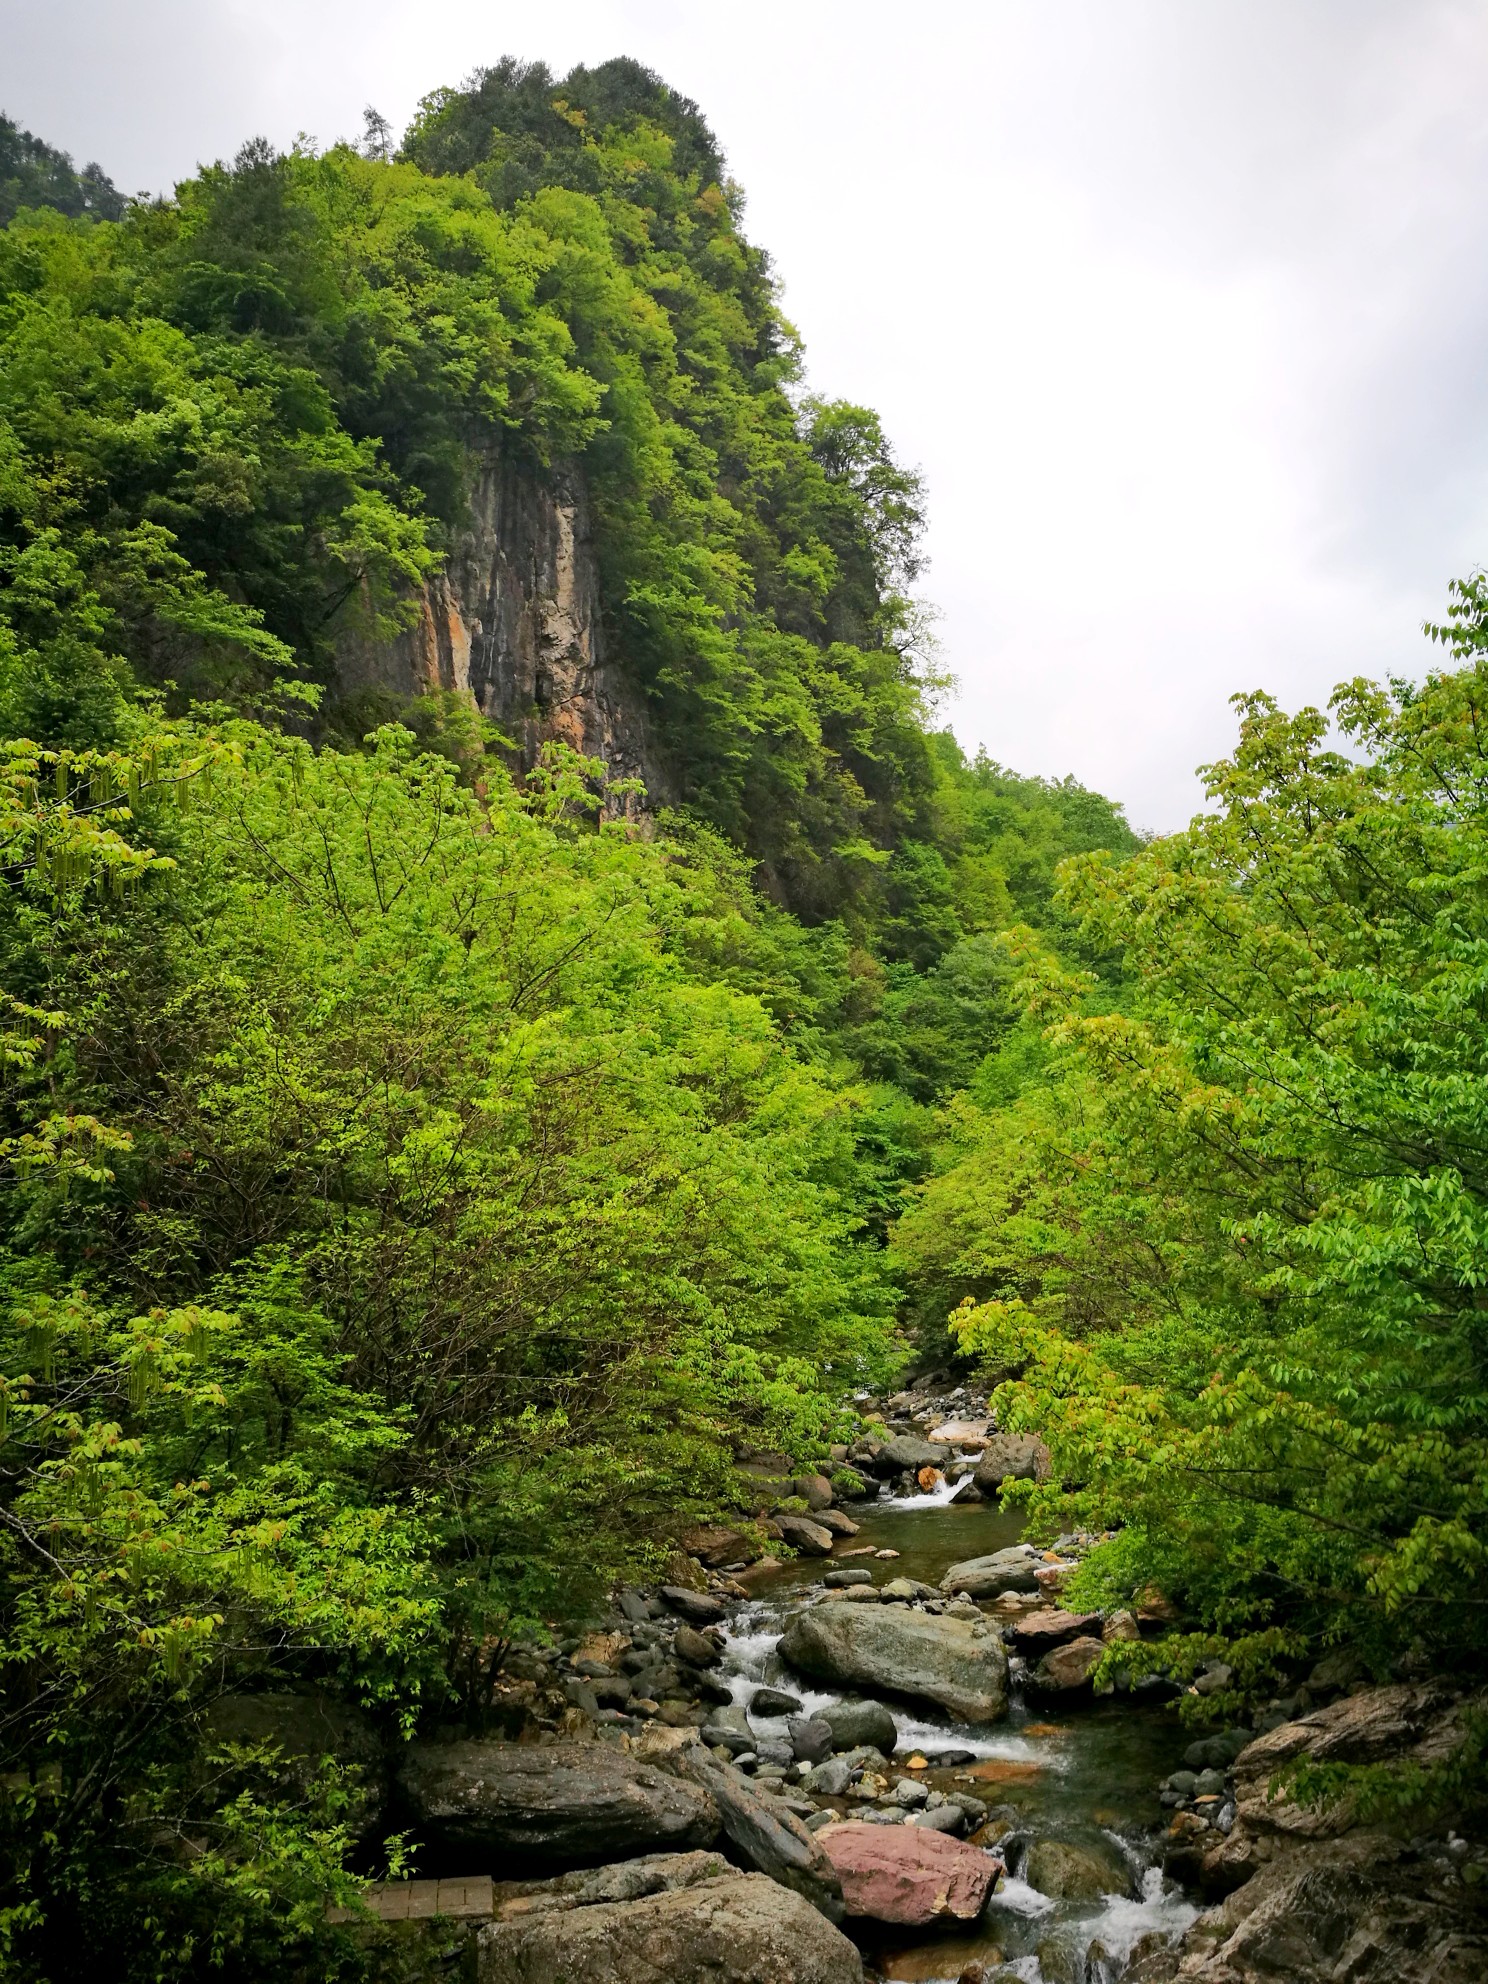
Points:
[(1315, 1898), (513, 621)]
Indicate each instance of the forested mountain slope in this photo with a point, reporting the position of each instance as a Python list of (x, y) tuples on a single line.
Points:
[(508, 1001), (428, 1158)]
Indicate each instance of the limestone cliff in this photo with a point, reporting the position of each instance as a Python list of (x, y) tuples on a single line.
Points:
[(513, 621)]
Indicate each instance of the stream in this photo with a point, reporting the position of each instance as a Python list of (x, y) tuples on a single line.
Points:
[(1088, 1775)]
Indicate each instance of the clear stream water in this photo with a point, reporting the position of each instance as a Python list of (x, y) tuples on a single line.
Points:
[(1089, 1775)]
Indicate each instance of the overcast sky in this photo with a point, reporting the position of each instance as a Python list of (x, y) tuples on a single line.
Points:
[(1181, 308)]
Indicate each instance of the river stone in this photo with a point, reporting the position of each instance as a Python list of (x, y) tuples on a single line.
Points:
[(564, 1803), (768, 1836), (811, 1738), (773, 1701), (961, 1432), (698, 1606), (988, 1577), (831, 1779), (839, 1580), (733, 1929), (1011, 1457), (907, 1875), (802, 1533), (955, 1663), (729, 1726), (715, 1546), (1416, 1723), (1076, 1873), (697, 1647), (1037, 1632), (835, 1521), (624, 1880), (855, 1723), (1364, 1907), (1067, 1669), (907, 1454), (814, 1490), (904, 1589)]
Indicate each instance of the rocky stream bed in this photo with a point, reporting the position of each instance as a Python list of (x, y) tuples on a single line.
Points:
[(884, 1758)]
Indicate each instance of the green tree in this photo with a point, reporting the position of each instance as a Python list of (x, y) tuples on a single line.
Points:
[(1234, 1236)]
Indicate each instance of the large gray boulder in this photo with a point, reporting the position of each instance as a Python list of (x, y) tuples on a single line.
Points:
[(1366, 1907), (908, 1451), (559, 1804), (763, 1832), (957, 1664), (1011, 1456), (989, 1577), (1067, 1872), (804, 1533), (1417, 1723), (734, 1929), (852, 1723)]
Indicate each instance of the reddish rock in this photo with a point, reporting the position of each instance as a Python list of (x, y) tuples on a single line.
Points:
[(713, 1545), (929, 1478), (1036, 1632), (909, 1875), (1068, 1668), (1015, 1456)]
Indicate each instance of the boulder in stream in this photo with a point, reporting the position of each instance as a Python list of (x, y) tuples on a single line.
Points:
[(773, 1701), (1067, 1872), (1011, 1457), (908, 1454), (1066, 1670), (1036, 1632), (763, 1831), (806, 1534), (909, 1876), (700, 1607), (731, 1929), (562, 1804), (1014, 1569), (957, 1664), (852, 1723)]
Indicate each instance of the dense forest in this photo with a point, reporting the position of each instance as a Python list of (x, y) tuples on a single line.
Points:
[(424, 1176)]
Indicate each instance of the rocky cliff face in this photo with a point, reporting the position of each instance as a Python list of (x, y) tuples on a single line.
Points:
[(513, 621)]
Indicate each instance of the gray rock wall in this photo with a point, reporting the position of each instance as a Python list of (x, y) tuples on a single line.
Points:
[(513, 621)]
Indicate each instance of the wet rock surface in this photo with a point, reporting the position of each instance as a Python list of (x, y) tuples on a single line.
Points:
[(957, 1664), (913, 1877), (766, 1834), (560, 1804), (1360, 1910), (730, 1929)]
